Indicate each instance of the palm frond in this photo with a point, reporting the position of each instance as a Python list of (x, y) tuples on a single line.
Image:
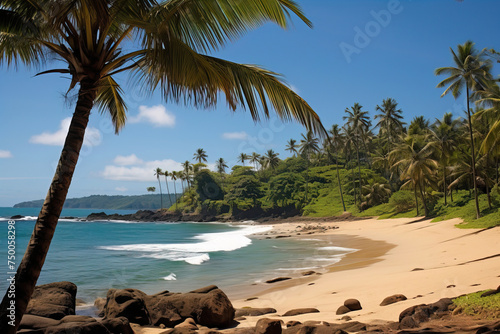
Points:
[(109, 100)]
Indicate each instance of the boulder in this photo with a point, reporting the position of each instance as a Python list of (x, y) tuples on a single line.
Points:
[(268, 326), (293, 323), (393, 299), (407, 322), (119, 325), (99, 305), (30, 321), (342, 310), (308, 273), (253, 312), (207, 306), (188, 324), (300, 311), (53, 300), (278, 279), (353, 304)]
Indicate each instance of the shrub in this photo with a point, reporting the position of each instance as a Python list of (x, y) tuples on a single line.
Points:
[(402, 201)]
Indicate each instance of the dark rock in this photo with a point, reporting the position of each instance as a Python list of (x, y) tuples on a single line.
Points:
[(293, 323), (268, 326), (17, 217), (77, 318), (409, 311), (30, 321), (77, 327), (393, 299), (189, 323), (251, 298), (490, 292), (300, 311), (417, 269), (342, 310), (118, 325), (207, 306), (250, 311), (99, 305), (407, 322), (53, 300), (278, 279), (308, 273), (346, 318), (206, 289), (353, 304), (441, 305)]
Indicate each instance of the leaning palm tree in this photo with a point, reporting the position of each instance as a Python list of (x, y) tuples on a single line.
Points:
[(165, 46), (158, 173), (200, 155), (471, 72), (291, 146), (167, 174), (242, 158)]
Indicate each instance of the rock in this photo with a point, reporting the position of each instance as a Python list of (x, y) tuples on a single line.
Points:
[(268, 326), (393, 299), (353, 304), (417, 269), (99, 305), (407, 322), (293, 323), (17, 217), (251, 298), (53, 300), (490, 292), (77, 327), (346, 318), (188, 324), (207, 306), (308, 273), (119, 325), (77, 318), (278, 279), (300, 311), (253, 312), (30, 321), (342, 310)]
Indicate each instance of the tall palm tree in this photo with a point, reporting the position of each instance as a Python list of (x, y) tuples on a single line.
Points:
[(271, 159), (158, 173), (471, 71), (188, 168), (166, 46), (167, 174), (444, 139), (291, 147), (242, 158), (221, 167), (390, 120), (308, 145), (335, 142), (255, 159), (358, 121), (200, 155), (173, 177)]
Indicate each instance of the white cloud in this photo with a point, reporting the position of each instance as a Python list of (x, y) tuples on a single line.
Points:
[(93, 136), (158, 115), (235, 135), (121, 189), (127, 160), (140, 170), (5, 154)]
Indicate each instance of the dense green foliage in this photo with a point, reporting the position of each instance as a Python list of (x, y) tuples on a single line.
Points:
[(487, 307), (139, 202)]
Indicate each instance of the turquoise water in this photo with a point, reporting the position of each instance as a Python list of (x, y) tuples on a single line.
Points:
[(154, 257)]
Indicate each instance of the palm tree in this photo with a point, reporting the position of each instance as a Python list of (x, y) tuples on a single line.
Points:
[(167, 174), (443, 137), (186, 165), (221, 166), (200, 155), (242, 158), (158, 173), (390, 120), (472, 71), (166, 46), (308, 145), (335, 142), (271, 159), (292, 147), (358, 122), (255, 159), (173, 177), (151, 189)]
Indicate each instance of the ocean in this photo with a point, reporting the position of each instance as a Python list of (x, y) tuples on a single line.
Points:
[(154, 256)]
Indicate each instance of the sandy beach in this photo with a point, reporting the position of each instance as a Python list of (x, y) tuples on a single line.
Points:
[(424, 261)]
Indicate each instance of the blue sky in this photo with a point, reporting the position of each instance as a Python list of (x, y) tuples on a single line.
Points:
[(358, 51)]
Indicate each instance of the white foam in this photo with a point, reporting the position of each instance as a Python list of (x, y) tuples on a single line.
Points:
[(171, 277), (198, 252), (336, 248)]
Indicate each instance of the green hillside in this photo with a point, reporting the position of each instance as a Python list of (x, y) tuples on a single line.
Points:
[(138, 202)]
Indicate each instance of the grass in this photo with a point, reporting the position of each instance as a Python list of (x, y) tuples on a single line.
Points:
[(475, 305)]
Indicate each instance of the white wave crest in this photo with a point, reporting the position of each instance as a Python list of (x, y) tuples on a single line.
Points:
[(171, 277)]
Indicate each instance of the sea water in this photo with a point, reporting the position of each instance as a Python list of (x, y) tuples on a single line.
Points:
[(157, 256)]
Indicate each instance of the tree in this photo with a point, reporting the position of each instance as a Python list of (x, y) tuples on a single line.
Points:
[(167, 174), (308, 145), (173, 177), (242, 158), (255, 159), (151, 189), (221, 167), (200, 155), (158, 173), (271, 159), (166, 48), (471, 71), (292, 147), (390, 120), (285, 188), (335, 142), (247, 187), (188, 168)]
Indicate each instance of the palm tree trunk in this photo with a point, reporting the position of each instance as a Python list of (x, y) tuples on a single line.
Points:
[(168, 192), (31, 265), (426, 209), (338, 180), (175, 195), (478, 213), (359, 176), (161, 194), (444, 183), (416, 197)]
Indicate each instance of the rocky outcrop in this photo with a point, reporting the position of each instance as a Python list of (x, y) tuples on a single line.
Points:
[(413, 316), (53, 300), (278, 279), (207, 306), (74, 324)]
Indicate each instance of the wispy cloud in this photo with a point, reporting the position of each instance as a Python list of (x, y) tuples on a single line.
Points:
[(121, 189), (127, 160), (139, 170), (5, 154), (93, 136), (158, 115), (235, 135)]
